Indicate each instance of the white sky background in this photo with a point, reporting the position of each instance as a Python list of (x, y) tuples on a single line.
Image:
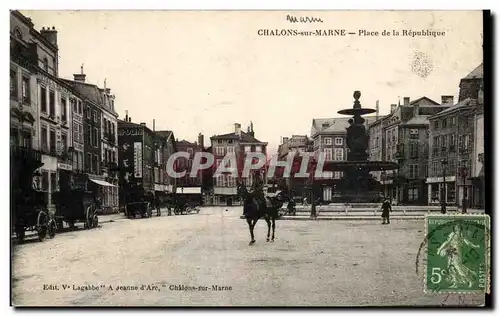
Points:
[(204, 71)]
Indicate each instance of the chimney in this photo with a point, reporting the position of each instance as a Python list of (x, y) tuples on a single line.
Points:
[(126, 115), (201, 140), (447, 100), (285, 140), (416, 108), (237, 129), (50, 35), (406, 101), (143, 124), (81, 76), (377, 109), (393, 108), (129, 119)]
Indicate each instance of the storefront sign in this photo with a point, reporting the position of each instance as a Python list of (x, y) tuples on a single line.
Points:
[(64, 166), (138, 160), (130, 131)]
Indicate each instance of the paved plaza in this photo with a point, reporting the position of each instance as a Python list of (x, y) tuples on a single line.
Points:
[(205, 260)]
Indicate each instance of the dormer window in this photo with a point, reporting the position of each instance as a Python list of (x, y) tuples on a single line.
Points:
[(18, 34), (326, 125)]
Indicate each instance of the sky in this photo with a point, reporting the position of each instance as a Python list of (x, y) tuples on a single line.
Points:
[(203, 71)]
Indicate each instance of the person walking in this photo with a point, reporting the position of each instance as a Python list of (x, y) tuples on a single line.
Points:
[(386, 209)]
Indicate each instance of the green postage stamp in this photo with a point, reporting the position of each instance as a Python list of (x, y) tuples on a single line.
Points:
[(458, 254)]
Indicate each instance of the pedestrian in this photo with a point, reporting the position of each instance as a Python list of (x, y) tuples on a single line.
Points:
[(386, 209)]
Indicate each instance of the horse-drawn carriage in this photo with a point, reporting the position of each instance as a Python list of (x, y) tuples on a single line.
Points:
[(76, 205), (139, 202), (28, 208)]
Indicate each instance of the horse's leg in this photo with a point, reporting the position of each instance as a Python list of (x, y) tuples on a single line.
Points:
[(273, 219), (251, 225), (268, 221)]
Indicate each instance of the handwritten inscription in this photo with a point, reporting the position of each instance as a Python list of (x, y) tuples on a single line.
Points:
[(307, 19)]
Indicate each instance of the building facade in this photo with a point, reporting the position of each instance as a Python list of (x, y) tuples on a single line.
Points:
[(329, 139), (238, 143), (402, 136), (455, 148), (165, 147)]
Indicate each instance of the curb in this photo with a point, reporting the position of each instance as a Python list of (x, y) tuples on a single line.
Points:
[(345, 218)]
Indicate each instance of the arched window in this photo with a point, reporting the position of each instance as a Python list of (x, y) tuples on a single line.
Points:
[(45, 64)]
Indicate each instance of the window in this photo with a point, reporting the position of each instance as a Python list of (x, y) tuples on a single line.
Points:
[(414, 134), (413, 194), (445, 123), (113, 156), (258, 149), (230, 141), (94, 114), (80, 110), (26, 90), (96, 137), (339, 140), (64, 142), (328, 175), (43, 99), (452, 142), (328, 141), (73, 105), (414, 171), (219, 151), (413, 150), (88, 162), (45, 143), (467, 143), (453, 121), (231, 182), (45, 64), (339, 154), (64, 118), (217, 163), (229, 149), (52, 103), (13, 83), (328, 154), (52, 140), (248, 149), (27, 139), (337, 175), (190, 151), (89, 112)]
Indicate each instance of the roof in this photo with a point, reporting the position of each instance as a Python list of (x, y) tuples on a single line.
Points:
[(245, 137), (460, 105), (335, 125), (418, 120), (476, 73), (89, 91), (419, 100)]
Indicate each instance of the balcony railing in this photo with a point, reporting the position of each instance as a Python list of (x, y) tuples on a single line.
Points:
[(25, 153)]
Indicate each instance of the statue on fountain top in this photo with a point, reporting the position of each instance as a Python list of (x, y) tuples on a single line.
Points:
[(357, 140)]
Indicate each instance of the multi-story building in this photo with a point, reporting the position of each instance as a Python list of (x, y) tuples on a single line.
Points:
[(165, 147), (143, 155), (295, 144), (40, 101), (329, 139), (402, 136), (477, 199), (186, 164), (453, 147), (78, 143), (100, 140), (239, 143)]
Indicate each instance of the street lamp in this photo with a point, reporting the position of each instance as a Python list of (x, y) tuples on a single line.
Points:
[(444, 162), (464, 171)]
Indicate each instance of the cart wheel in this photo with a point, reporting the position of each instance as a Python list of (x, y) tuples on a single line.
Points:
[(20, 233), (88, 218), (95, 221), (52, 228), (42, 225)]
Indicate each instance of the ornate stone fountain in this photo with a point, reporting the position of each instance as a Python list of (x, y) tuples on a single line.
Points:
[(357, 184)]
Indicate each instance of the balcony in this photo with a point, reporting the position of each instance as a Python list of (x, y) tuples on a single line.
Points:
[(26, 155)]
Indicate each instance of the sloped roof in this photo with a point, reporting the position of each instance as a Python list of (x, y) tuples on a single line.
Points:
[(245, 137), (422, 99), (89, 91), (418, 120), (460, 105), (476, 73), (335, 125)]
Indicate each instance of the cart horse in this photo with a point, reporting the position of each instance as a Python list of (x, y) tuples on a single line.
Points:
[(76, 205), (28, 207), (139, 202)]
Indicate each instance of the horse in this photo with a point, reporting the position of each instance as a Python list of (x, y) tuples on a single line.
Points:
[(253, 210)]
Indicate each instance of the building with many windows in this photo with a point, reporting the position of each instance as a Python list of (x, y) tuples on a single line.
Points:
[(329, 138), (454, 144), (402, 136), (238, 142)]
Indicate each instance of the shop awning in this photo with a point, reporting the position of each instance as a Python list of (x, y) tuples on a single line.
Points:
[(103, 183), (189, 190)]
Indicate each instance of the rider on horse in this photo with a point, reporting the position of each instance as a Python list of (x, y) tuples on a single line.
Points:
[(258, 191)]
